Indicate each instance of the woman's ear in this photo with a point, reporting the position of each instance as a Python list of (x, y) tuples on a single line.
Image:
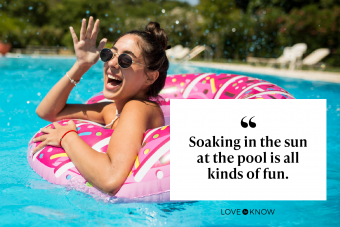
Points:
[(151, 77)]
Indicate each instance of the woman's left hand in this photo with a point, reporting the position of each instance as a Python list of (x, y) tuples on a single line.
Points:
[(52, 136)]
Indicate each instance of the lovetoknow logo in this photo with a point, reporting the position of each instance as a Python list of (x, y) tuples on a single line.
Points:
[(247, 211)]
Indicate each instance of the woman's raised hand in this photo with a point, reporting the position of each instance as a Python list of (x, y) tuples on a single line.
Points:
[(86, 51)]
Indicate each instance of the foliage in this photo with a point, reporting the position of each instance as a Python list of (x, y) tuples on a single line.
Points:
[(234, 29), (318, 27)]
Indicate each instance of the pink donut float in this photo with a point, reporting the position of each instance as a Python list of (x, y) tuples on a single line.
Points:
[(150, 174), (212, 86)]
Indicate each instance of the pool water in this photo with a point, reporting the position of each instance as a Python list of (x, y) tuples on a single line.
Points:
[(27, 199)]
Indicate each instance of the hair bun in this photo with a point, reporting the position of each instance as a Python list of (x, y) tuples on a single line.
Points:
[(159, 34)]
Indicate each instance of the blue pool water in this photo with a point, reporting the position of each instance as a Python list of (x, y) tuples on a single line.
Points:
[(27, 199)]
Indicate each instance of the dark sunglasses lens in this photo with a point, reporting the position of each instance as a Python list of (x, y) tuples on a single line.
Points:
[(106, 55), (125, 61)]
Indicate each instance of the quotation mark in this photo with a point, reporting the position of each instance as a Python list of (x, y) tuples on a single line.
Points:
[(245, 124)]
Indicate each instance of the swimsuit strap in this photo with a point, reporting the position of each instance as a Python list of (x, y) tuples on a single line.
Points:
[(117, 114), (113, 121)]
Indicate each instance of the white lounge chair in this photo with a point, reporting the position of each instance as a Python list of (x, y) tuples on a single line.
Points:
[(177, 52), (181, 54), (288, 57), (172, 51), (298, 50), (314, 58), (283, 60), (197, 50), (185, 54), (194, 52), (291, 55)]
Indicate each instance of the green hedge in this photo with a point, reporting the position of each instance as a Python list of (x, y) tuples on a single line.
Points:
[(234, 29)]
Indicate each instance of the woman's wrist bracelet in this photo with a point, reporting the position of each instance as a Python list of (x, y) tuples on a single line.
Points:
[(72, 80), (65, 135)]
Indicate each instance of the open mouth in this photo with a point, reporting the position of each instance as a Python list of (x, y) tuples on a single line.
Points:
[(113, 80)]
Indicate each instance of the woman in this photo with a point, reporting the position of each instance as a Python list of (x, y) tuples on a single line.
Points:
[(130, 84)]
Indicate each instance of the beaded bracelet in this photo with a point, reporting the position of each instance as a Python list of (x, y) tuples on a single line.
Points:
[(72, 80)]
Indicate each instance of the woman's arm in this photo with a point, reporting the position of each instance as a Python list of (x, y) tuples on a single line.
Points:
[(87, 55), (107, 172), (55, 101)]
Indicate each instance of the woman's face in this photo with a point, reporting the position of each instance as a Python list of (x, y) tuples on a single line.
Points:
[(125, 84)]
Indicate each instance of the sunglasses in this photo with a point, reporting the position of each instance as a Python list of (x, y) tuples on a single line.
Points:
[(124, 60)]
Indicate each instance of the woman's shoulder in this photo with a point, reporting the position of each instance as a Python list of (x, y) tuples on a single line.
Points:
[(145, 104), (146, 110), (109, 112), (143, 107)]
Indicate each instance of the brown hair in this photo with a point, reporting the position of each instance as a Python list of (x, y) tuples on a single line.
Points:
[(153, 45)]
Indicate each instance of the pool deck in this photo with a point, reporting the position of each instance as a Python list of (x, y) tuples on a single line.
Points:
[(14, 55), (311, 75), (297, 74)]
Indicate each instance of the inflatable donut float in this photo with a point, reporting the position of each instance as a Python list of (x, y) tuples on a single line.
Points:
[(150, 174), (211, 86)]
